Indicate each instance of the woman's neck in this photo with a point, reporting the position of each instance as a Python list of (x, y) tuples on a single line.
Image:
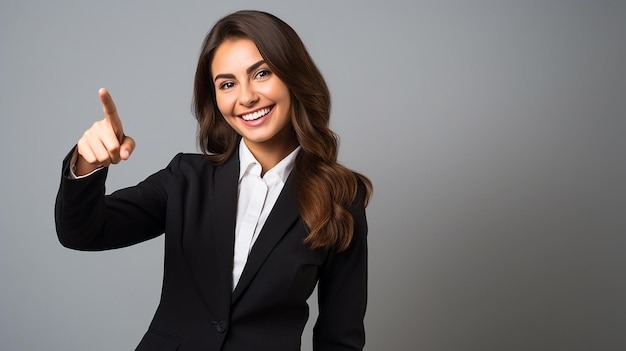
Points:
[(270, 155)]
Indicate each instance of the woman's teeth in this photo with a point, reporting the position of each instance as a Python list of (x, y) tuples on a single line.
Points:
[(256, 115)]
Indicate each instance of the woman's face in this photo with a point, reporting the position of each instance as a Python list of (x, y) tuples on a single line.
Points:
[(252, 99)]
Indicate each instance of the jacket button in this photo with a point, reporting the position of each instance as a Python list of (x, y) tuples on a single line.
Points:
[(220, 326)]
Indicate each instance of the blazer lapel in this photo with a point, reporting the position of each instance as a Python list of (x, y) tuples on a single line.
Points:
[(280, 219)]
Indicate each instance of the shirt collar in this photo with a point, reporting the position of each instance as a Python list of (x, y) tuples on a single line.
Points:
[(249, 164)]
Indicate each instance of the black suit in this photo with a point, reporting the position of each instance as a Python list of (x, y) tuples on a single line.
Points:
[(195, 203)]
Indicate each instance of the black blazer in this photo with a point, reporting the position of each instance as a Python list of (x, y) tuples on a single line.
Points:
[(194, 203)]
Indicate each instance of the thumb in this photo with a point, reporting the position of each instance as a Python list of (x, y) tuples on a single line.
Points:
[(126, 147)]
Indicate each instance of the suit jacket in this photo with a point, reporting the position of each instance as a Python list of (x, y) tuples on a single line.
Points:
[(194, 203)]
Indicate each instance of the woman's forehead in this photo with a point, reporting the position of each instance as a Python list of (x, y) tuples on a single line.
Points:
[(235, 56)]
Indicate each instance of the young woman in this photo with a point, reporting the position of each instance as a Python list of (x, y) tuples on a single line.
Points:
[(251, 225)]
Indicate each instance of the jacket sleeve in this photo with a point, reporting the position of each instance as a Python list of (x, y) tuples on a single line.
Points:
[(342, 292), (87, 219)]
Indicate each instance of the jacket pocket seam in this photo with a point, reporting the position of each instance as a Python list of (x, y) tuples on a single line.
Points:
[(164, 335)]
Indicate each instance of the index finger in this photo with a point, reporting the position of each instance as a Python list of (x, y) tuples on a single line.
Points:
[(110, 111)]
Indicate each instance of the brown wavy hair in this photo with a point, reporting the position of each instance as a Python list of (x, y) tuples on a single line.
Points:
[(324, 187)]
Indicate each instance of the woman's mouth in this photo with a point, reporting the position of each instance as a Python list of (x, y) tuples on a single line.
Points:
[(256, 114)]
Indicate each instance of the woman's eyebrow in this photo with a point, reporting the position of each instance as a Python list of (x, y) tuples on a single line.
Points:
[(232, 76), (254, 66), (224, 76)]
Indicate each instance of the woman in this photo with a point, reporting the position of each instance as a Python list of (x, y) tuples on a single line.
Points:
[(253, 224)]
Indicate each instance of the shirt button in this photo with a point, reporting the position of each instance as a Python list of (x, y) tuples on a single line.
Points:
[(220, 326)]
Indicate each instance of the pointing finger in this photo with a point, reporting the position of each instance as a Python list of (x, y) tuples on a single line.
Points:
[(110, 113)]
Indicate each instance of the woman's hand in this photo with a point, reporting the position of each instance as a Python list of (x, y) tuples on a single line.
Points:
[(104, 143)]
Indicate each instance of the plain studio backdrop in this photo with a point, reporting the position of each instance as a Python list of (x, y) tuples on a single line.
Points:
[(494, 133)]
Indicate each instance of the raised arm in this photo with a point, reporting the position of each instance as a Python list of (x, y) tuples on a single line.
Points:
[(87, 219)]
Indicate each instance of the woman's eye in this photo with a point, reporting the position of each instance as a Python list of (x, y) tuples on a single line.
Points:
[(226, 85), (262, 73)]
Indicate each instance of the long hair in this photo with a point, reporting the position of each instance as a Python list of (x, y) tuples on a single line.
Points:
[(324, 187)]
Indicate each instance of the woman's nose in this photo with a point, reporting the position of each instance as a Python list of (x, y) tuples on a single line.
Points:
[(248, 95)]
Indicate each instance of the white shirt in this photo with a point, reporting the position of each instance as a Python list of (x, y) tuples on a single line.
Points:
[(257, 196)]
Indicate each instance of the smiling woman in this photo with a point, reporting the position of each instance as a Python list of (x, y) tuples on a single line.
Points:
[(324, 186), (246, 240)]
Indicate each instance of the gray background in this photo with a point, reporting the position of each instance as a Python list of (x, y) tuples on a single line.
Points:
[(494, 132)]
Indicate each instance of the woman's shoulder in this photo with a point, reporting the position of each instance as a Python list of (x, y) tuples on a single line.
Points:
[(191, 157), (193, 163), (184, 160)]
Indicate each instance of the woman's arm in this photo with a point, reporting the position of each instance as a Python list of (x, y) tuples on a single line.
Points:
[(86, 219), (342, 292)]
